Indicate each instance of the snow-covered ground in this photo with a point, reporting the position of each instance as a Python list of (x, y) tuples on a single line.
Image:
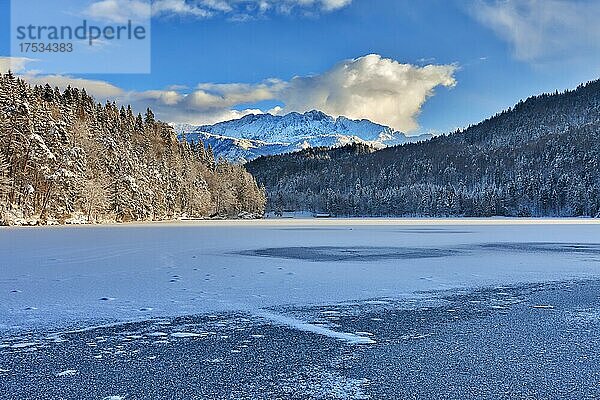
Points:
[(77, 277)]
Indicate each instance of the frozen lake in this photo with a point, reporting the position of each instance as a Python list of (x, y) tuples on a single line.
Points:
[(333, 309), (74, 277)]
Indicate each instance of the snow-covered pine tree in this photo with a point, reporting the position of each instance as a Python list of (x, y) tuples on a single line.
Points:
[(66, 156)]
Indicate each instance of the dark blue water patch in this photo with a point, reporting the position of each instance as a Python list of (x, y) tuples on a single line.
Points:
[(363, 254), (546, 247)]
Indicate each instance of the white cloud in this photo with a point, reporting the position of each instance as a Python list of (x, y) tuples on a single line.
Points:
[(165, 97), (120, 11), (327, 5), (101, 90), (14, 64), (335, 4), (169, 104), (183, 8), (543, 30), (371, 87), (210, 95)]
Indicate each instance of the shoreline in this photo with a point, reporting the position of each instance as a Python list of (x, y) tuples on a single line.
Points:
[(366, 221)]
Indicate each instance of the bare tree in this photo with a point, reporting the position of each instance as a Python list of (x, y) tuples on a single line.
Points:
[(95, 199)]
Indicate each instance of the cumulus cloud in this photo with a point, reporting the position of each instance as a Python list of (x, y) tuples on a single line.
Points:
[(370, 87), (543, 30), (120, 11)]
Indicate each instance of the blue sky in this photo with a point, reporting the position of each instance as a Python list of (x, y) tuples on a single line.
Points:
[(237, 57)]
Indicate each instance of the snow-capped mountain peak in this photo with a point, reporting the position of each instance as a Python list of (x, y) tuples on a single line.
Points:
[(267, 134)]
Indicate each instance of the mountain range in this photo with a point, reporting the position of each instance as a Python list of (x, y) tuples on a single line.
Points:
[(257, 135)]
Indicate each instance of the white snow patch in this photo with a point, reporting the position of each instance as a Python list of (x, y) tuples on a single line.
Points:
[(185, 335), (415, 337), (317, 383), (55, 338), (214, 361), (349, 338), (68, 372), (590, 315), (23, 345)]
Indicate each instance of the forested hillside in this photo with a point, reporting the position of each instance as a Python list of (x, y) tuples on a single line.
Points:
[(540, 158), (64, 157)]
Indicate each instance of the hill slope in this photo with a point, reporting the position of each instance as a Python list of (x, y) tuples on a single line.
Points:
[(65, 157), (540, 158)]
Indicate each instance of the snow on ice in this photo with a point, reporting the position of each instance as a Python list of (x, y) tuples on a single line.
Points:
[(72, 278)]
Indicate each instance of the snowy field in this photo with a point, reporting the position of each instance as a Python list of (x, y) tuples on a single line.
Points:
[(81, 276), (356, 308)]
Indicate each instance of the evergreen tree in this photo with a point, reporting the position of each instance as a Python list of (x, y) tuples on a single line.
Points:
[(539, 158), (63, 155), (149, 117)]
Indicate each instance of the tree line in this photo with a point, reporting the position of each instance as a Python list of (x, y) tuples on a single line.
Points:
[(539, 158)]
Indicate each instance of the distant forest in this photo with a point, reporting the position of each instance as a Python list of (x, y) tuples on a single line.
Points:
[(65, 157), (539, 158)]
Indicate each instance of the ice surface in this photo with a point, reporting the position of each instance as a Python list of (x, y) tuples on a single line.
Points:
[(69, 278)]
